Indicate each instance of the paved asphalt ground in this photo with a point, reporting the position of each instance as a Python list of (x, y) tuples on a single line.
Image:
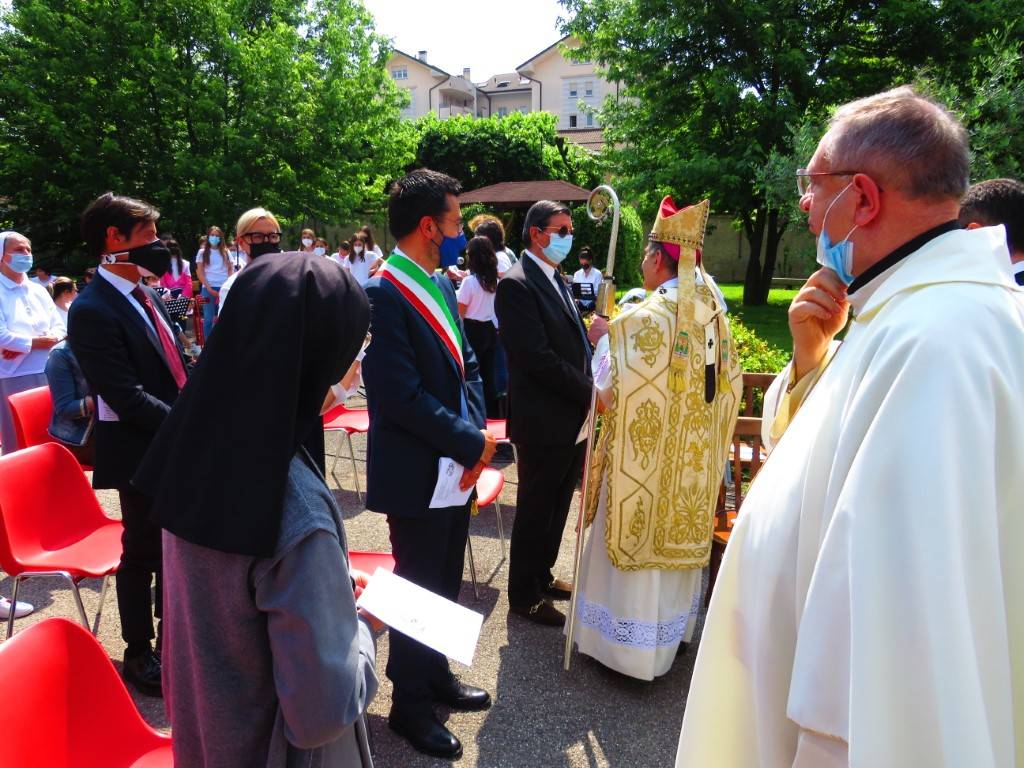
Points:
[(541, 717)]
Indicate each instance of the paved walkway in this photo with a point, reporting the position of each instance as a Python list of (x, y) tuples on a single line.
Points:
[(542, 716)]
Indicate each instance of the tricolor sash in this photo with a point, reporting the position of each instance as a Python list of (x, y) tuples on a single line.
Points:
[(425, 297)]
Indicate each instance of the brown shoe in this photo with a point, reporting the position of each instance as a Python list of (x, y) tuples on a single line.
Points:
[(558, 589), (541, 613)]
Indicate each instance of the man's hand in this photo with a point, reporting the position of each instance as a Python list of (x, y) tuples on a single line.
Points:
[(44, 342), (471, 475), (376, 624), (490, 446), (817, 314), (598, 328), (361, 579)]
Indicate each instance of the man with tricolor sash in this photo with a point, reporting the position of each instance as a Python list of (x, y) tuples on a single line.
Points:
[(426, 405)]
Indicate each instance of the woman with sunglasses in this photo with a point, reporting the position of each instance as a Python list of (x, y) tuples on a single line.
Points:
[(257, 234)]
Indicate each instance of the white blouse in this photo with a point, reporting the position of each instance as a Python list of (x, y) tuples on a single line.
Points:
[(479, 303)]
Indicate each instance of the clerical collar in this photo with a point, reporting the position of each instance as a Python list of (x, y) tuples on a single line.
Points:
[(672, 282), (883, 265)]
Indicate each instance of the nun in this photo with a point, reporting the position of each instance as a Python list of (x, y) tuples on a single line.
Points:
[(266, 661)]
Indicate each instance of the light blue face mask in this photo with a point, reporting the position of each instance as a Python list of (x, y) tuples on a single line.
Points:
[(836, 256), (558, 248), (21, 262), (214, 240)]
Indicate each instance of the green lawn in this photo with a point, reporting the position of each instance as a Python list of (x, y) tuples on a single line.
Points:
[(769, 321)]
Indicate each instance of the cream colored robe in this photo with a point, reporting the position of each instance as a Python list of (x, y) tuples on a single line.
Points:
[(873, 588)]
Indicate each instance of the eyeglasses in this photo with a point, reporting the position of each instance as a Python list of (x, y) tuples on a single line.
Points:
[(255, 238), (560, 231), (804, 177)]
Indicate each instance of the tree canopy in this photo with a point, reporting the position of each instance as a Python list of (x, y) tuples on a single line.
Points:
[(203, 107), (513, 148), (712, 91)]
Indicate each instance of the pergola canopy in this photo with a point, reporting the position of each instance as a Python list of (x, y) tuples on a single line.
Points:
[(523, 194)]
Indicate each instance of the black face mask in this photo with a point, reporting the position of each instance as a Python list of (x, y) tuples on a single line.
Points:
[(154, 257), (262, 249)]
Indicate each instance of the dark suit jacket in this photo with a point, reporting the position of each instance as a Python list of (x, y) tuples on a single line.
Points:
[(124, 364), (549, 384), (413, 391)]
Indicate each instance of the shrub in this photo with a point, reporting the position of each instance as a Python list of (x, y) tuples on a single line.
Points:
[(756, 354)]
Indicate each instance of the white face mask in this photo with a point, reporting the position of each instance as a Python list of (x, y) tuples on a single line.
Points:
[(358, 249), (307, 241), (320, 251)]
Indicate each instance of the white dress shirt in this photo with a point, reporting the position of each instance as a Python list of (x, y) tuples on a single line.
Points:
[(26, 311), (594, 278), (125, 288)]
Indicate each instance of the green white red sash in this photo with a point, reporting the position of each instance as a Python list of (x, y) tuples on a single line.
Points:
[(425, 297)]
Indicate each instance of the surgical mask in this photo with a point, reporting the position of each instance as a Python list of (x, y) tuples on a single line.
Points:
[(558, 248), (320, 251), (357, 248), (450, 249), (307, 242), (262, 249), (836, 256), (21, 262), (153, 257), (213, 240)]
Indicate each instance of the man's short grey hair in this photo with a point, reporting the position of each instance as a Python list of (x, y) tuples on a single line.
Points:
[(902, 140), (539, 215)]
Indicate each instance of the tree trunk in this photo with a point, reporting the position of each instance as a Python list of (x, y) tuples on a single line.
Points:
[(769, 227), (753, 224)]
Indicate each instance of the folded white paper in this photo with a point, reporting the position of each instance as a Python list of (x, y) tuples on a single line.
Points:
[(446, 492), (430, 619)]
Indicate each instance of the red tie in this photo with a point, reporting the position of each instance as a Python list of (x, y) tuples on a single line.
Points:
[(171, 354)]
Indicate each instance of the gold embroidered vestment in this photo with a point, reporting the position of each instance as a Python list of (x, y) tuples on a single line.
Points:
[(662, 446)]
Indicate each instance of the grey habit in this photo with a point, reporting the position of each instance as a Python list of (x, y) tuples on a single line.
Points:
[(265, 662)]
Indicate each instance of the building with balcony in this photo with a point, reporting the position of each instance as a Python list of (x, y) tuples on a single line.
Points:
[(550, 82), (432, 90)]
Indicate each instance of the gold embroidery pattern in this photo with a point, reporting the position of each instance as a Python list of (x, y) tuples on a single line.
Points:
[(639, 521), (648, 340), (676, 443), (643, 432)]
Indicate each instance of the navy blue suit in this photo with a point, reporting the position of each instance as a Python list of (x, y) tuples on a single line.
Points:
[(415, 393)]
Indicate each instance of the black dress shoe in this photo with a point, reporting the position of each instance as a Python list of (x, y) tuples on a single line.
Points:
[(466, 698), (424, 731), (541, 613), (143, 671), (558, 589)]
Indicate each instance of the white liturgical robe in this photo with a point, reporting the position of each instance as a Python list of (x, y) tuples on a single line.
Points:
[(872, 592)]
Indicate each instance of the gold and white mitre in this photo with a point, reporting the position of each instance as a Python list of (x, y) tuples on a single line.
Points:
[(664, 439)]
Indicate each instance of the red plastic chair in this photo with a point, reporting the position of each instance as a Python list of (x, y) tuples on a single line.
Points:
[(348, 422), (488, 487), (499, 428), (65, 705), (368, 562), (51, 524), (32, 410)]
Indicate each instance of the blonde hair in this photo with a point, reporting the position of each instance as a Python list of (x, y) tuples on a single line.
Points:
[(250, 217)]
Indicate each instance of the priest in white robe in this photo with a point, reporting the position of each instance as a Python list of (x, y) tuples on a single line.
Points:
[(670, 384), (869, 610)]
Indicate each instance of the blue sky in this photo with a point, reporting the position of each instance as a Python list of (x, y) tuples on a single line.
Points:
[(488, 37)]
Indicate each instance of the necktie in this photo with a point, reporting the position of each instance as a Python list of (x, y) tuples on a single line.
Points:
[(171, 355), (579, 325)]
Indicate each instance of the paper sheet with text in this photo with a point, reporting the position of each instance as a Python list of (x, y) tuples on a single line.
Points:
[(446, 492), (438, 623)]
